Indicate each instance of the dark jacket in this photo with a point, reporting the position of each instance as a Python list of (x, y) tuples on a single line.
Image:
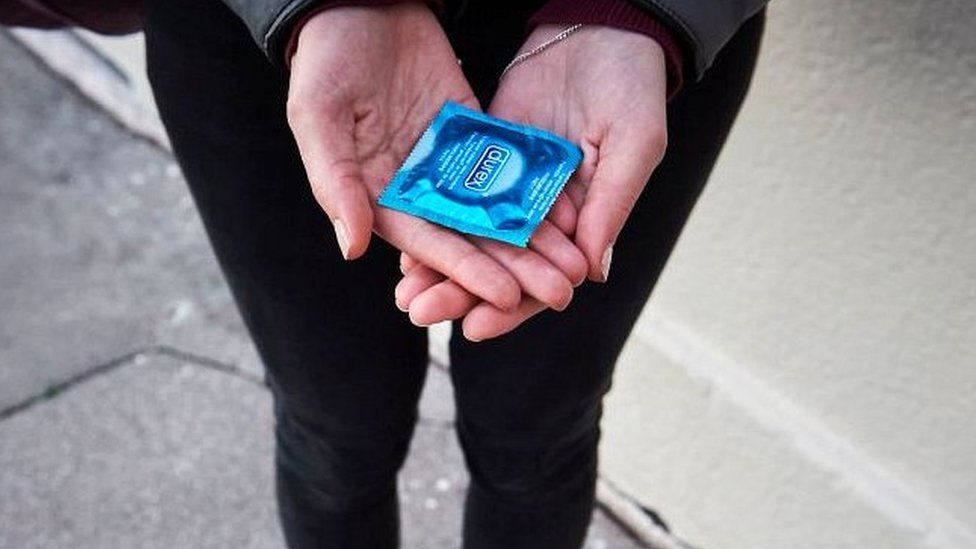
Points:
[(702, 26)]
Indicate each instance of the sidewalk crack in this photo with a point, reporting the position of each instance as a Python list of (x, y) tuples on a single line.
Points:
[(206, 362), (55, 389), (110, 365)]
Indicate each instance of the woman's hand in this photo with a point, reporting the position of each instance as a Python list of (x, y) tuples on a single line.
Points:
[(365, 82), (604, 89)]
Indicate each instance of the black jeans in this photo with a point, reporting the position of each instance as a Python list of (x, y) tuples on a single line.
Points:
[(345, 366)]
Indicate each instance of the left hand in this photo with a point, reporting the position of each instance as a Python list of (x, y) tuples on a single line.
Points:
[(604, 89)]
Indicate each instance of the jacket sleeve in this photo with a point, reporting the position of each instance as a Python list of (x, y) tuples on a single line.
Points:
[(270, 21), (704, 26), (264, 18)]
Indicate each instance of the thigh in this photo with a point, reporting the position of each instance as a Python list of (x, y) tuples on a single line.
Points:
[(540, 386), (339, 356)]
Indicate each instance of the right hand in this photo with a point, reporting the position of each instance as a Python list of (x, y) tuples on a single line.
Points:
[(605, 88), (365, 82)]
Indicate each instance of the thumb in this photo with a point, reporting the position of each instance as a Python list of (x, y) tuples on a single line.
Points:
[(625, 163), (325, 139)]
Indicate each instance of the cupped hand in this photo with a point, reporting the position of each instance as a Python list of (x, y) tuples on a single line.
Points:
[(365, 82), (604, 89)]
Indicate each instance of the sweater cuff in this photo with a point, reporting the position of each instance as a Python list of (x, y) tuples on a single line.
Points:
[(621, 14), (316, 8)]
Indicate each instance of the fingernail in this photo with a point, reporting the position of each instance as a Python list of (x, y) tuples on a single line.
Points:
[(420, 323), (605, 262), (341, 237), (397, 302)]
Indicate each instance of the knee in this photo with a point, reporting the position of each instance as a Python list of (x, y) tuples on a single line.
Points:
[(532, 470), (336, 470)]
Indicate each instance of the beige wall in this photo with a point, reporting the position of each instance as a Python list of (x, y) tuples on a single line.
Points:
[(805, 375)]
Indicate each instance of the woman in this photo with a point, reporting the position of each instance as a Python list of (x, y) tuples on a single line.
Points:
[(265, 99)]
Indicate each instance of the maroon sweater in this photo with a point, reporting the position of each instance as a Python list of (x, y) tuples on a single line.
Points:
[(104, 16)]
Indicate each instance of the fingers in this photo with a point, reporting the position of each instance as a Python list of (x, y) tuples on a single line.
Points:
[(324, 134), (414, 282), (563, 214), (485, 322), (430, 299), (553, 244), (626, 162), (451, 255), (537, 277), (442, 301), (575, 191), (406, 262)]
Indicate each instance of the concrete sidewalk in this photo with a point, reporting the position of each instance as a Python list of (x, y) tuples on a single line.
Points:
[(131, 408)]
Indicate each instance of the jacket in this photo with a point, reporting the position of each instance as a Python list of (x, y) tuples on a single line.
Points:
[(702, 26)]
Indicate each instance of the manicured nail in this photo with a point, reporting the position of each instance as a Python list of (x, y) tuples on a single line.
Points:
[(605, 262), (342, 237)]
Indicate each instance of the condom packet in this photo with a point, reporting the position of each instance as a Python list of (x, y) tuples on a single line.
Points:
[(482, 175)]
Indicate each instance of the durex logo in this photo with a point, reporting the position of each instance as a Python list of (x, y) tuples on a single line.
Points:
[(486, 169)]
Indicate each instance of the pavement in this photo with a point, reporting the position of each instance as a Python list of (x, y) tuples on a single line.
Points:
[(132, 411)]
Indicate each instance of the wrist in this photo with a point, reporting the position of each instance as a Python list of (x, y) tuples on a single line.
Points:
[(620, 14), (291, 46)]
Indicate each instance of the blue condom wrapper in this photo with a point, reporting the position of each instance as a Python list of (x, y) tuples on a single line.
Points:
[(482, 175)]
